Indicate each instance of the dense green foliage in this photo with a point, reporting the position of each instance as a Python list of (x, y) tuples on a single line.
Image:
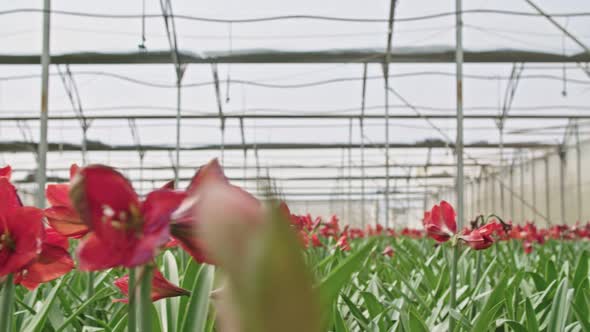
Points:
[(500, 289)]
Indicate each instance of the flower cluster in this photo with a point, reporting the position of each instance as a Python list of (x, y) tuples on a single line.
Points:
[(29, 251), (441, 225)]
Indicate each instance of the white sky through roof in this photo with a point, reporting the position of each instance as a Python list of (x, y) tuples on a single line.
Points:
[(539, 91)]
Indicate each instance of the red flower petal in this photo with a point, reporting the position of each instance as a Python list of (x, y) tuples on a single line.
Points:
[(8, 196), (440, 222), (6, 172), (24, 227), (169, 185), (53, 262), (161, 288), (74, 168), (94, 254), (58, 194), (156, 211), (108, 204), (66, 221), (388, 251), (209, 172)]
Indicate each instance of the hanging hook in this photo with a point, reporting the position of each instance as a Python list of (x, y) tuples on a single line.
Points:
[(141, 45)]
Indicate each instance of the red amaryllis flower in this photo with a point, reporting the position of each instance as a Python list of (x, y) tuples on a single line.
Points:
[(479, 238), (161, 288), (21, 229), (527, 246), (210, 188), (6, 172), (440, 223), (52, 262), (388, 251), (342, 243), (124, 231), (62, 215)]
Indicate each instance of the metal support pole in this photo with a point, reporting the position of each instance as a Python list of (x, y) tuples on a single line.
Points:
[(478, 200), (522, 191), (547, 189), (178, 119), (502, 166), (459, 143), (42, 152), (408, 208), (534, 183), (562, 164), (350, 221), (493, 193), (386, 91), (579, 172), (362, 133), (458, 152), (512, 192)]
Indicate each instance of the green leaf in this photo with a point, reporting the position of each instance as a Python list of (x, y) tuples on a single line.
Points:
[(559, 309), (531, 317), (581, 272), (488, 313), (38, 322), (171, 305), (195, 314), (516, 326), (339, 276), (339, 324)]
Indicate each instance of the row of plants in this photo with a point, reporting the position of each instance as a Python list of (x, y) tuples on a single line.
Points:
[(211, 257)]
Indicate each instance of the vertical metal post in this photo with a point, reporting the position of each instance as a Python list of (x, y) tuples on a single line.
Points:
[(521, 178), (42, 152), (178, 118), (350, 221), (386, 91), (562, 165), (547, 189), (512, 192), (493, 193), (459, 143), (534, 183), (502, 165), (458, 152), (579, 172), (478, 201), (362, 133), (408, 218)]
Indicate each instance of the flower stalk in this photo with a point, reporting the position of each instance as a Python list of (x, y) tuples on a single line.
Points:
[(132, 308), (7, 300), (145, 299)]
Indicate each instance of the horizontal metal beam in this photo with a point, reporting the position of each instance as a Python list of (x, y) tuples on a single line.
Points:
[(303, 116), (427, 54), (251, 167), (296, 178), (27, 147)]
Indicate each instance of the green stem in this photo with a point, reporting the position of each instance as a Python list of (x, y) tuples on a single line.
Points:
[(90, 284), (131, 316), (145, 299), (476, 280), (453, 281), (7, 301)]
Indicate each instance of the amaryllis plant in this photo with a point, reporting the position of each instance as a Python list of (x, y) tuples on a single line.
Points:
[(30, 253), (161, 288), (441, 225)]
